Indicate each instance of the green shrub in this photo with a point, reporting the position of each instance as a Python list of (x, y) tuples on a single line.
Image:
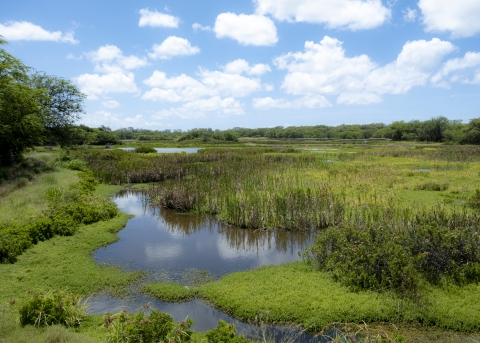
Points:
[(399, 258), (45, 308), (76, 165), (432, 186), (474, 201), (225, 333), (153, 328), (88, 210), (145, 149)]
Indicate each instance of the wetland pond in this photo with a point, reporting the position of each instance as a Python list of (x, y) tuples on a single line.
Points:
[(172, 246)]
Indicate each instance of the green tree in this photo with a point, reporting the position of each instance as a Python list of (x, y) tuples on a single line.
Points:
[(21, 114), (472, 132), (62, 106)]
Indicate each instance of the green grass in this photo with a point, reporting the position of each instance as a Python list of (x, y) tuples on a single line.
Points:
[(27, 203), (171, 292), (296, 293)]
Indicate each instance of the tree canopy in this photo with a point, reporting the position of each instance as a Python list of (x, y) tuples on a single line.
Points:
[(34, 107)]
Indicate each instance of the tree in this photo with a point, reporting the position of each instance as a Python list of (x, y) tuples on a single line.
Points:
[(34, 107), (21, 115), (472, 132), (62, 107)]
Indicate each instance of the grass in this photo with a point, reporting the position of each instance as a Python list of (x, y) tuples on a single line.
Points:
[(296, 293), (27, 203)]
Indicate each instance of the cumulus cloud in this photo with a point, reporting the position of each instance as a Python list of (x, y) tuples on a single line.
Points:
[(312, 101), (112, 72), (109, 58), (24, 30), (197, 26), (157, 19), (460, 18), (410, 15), (348, 14), (171, 47), (465, 70), (246, 29), (209, 84), (240, 66), (94, 84), (110, 104), (199, 108), (324, 69)]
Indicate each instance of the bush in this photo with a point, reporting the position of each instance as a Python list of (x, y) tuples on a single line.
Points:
[(224, 333), (153, 328), (432, 186), (145, 149), (474, 201), (42, 308), (398, 258)]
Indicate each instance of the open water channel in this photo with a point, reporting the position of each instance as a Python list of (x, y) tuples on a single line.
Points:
[(173, 246)]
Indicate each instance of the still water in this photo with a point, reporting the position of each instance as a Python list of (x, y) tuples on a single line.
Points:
[(170, 245), (168, 150)]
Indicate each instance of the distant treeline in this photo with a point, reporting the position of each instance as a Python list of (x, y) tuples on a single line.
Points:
[(439, 129)]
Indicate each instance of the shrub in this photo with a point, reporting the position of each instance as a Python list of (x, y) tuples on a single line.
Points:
[(474, 201), (225, 333), (432, 186), (398, 257), (153, 328), (45, 308), (145, 149)]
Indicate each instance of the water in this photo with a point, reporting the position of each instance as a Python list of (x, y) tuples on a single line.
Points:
[(168, 150), (166, 242), (169, 245)]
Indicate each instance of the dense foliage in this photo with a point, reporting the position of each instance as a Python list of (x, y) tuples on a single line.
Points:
[(437, 129), (152, 328), (45, 308), (34, 108)]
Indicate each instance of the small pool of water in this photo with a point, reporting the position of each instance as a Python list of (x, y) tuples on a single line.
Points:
[(170, 245), (168, 150)]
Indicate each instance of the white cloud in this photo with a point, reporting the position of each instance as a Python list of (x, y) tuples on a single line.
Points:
[(157, 19), (109, 58), (465, 70), (112, 72), (246, 29), (23, 30), (460, 18), (197, 26), (110, 104), (240, 66), (315, 101), (199, 108), (323, 69), (359, 98), (210, 84), (171, 47), (409, 15), (349, 14), (95, 85)]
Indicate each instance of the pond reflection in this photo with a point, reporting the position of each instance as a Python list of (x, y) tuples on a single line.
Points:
[(157, 239)]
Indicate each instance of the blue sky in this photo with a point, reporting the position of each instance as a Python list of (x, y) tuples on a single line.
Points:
[(255, 63)]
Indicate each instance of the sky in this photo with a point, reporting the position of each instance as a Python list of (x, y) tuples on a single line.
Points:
[(221, 64)]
